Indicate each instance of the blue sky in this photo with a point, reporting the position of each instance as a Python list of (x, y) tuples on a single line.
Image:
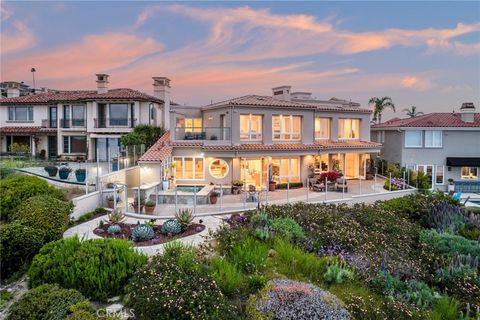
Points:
[(420, 53)]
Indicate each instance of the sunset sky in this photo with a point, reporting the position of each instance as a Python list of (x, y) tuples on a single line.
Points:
[(425, 54)]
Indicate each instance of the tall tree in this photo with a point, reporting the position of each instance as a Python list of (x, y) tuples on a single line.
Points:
[(412, 112), (380, 104)]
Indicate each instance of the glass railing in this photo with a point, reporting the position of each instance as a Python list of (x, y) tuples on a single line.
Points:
[(210, 133), (114, 122)]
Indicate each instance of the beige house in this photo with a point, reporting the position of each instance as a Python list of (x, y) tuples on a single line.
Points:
[(79, 124), (284, 137)]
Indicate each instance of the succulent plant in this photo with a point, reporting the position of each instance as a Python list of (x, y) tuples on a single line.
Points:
[(184, 217), (116, 216), (171, 226), (114, 229), (142, 232)]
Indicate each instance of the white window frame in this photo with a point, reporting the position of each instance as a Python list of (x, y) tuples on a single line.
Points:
[(443, 174), (289, 176), (250, 133), (193, 172), (351, 121), (283, 132), (30, 111), (433, 132), (413, 146), (210, 168), (320, 124), (462, 177)]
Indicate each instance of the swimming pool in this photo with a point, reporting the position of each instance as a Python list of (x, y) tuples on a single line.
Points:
[(190, 189)]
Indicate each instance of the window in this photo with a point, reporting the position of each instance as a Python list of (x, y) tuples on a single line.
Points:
[(439, 174), (413, 138), (118, 114), (74, 144), (219, 168), (322, 128), (193, 125), (469, 173), (286, 127), (78, 116), (20, 113), (285, 168), (433, 139), (380, 136), (250, 127), (348, 128), (188, 168)]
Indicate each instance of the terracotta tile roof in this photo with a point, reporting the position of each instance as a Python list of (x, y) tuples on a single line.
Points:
[(431, 120), (288, 146), (27, 130), (54, 96), (159, 151), (326, 106), (259, 101)]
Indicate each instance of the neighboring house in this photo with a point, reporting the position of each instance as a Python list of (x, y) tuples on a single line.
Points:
[(286, 136), (443, 145), (80, 124)]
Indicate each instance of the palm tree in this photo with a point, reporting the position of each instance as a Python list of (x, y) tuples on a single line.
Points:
[(380, 104), (412, 112)]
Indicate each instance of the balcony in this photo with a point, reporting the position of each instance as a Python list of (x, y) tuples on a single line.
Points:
[(114, 123), (210, 133), (72, 123), (49, 123)]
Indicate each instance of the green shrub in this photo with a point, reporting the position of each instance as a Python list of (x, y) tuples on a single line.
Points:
[(249, 256), (164, 289), (18, 244), (448, 244), (446, 309), (338, 272), (15, 189), (226, 275), (90, 215), (5, 172), (45, 213), (296, 264), (98, 268), (255, 283), (293, 185), (5, 296), (45, 302), (288, 228), (471, 232)]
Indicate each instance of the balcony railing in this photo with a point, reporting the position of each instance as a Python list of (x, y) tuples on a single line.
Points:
[(72, 123), (210, 133), (114, 123), (49, 123)]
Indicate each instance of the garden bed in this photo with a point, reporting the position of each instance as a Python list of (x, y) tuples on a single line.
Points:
[(158, 238)]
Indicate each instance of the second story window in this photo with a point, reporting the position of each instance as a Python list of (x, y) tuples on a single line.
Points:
[(118, 114), (286, 127), (78, 115), (322, 128), (250, 127), (20, 113), (193, 124), (348, 128), (413, 138), (433, 139)]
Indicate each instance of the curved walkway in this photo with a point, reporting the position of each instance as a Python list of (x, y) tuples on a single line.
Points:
[(85, 231)]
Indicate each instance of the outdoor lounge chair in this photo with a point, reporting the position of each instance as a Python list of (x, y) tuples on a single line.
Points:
[(341, 184), (311, 182)]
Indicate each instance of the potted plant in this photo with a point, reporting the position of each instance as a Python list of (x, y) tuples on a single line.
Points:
[(236, 186), (451, 185), (149, 207), (138, 206), (111, 201), (52, 170), (64, 172), (214, 196), (81, 175), (271, 185)]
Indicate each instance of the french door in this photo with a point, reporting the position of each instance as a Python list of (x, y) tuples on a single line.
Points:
[(427, 169)]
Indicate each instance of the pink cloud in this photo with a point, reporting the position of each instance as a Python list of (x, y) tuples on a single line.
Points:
[(93, 54), (20, 39), (416, 83)]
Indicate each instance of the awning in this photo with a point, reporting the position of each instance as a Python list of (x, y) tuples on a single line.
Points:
[(463, 162)]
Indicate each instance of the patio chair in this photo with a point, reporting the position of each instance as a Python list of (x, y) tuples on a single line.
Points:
[(341, 184), (318, 187), (252, 194), (311, 182)]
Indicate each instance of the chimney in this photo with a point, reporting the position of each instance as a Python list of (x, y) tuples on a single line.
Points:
[(13, 89), (467, 111), (102, 82), (161, 90), (282, 92)]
